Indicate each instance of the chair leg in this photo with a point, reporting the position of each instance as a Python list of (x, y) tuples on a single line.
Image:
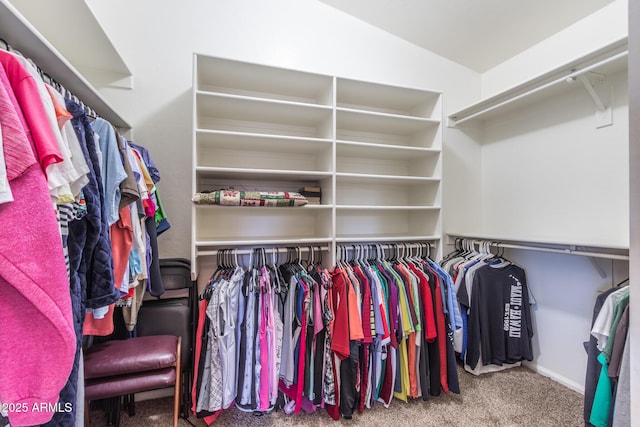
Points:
[(176, 393), (87, 417), (185, 380), (116, 421), (110, 410), (131, 404)]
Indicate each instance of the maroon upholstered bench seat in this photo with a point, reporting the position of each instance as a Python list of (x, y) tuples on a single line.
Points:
[(129, 384), (124, 367), (121, 357)]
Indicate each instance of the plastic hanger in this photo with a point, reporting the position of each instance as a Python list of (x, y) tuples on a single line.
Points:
[(625, 282)]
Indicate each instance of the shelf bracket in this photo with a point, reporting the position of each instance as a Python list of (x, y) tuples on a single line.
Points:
[(572, 249), (598, 267), (592, 92), (603, 115)]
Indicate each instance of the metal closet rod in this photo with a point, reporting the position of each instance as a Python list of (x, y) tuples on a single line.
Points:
[(379, 248), (462, 116), (279, 249), (567, 249), (352, 246), (283, 249)]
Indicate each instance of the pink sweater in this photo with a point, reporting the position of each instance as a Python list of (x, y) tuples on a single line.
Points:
[(37, 342)]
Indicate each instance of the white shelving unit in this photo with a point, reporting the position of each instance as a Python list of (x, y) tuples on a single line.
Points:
[(374, 150)]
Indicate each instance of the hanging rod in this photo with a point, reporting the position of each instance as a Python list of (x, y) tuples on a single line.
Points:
[(594, 251), (614, 52), (280, 249), (351, 246)]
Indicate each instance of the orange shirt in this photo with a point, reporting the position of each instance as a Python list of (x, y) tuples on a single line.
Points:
[(355, 319)]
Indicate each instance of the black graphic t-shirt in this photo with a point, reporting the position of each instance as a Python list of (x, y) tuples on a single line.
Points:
[(499, 317)]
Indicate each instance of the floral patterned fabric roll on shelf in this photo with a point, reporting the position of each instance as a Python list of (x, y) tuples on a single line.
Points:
[(250, 198)]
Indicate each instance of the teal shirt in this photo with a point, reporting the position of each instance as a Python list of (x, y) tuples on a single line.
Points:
[(602, 398)]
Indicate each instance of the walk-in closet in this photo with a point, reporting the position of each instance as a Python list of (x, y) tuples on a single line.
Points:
[(307, 212)]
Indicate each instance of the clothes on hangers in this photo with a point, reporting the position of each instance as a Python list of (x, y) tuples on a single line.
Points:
[(593, 366), (242, 335), (622, 404), (495, 299), (344, 340), (500, 326), (406, 345), (33, 277), (26, 98), (79, 263), (609, 329)]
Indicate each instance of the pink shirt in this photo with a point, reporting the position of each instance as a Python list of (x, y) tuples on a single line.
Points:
[(264, 346), (27, 96), (18, 153)]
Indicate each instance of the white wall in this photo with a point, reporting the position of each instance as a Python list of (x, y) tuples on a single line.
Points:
[(549, 173), (601, 28), (565, 288), (157, 41)]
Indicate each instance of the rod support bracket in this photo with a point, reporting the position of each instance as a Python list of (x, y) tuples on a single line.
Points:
[(603, 114), (597, 267)]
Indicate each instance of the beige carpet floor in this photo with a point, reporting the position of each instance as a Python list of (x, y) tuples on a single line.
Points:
[(516, 397)]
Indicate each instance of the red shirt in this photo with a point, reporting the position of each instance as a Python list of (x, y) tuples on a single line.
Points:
[(340, 338)]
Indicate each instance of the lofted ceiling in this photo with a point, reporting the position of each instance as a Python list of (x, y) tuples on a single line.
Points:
[(478, 34)]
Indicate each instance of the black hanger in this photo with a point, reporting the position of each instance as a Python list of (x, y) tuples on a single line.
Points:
[(208, 289), (500, 253), (457, 250), (427, 247), (622, 283)]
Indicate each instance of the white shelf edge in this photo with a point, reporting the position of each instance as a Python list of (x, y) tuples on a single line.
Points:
[(262, 208), (388, 208), (386, 177), (375, 146), (23, 36), (294, 241), (236, 251), (239, 171), (257, 99), (374, 238), (265, 136), (318, 207), (387, 115), (612, 52)]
